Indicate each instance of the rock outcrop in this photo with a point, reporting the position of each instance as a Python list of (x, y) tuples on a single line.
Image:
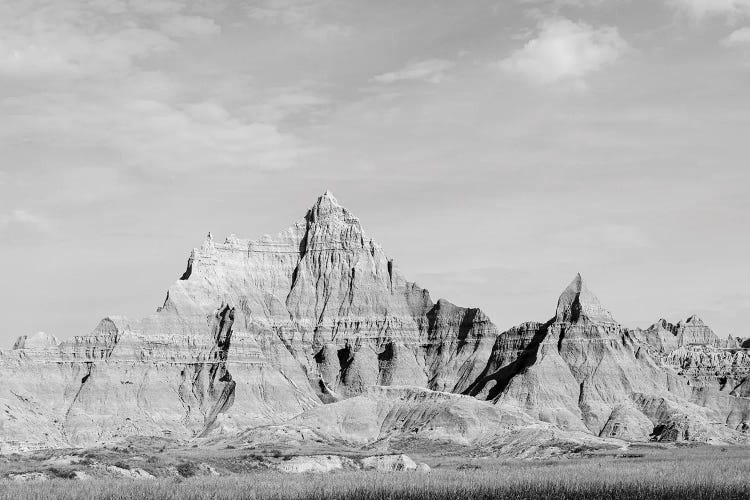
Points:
[(254, 332), (583, 371), (303, 330), (664, 337), (399, 418)]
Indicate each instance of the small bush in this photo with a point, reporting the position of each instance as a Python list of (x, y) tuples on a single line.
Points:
[(61, 473), (187, 469)]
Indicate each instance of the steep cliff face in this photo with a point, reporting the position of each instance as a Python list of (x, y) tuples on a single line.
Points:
[(339, 305), (254, 332), (581, 370), (259, 332), (130, 379), (663, 337)]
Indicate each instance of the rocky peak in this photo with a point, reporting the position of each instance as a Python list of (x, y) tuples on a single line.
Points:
[(38, 340), (693, 320), (327, 209), (577, 304)]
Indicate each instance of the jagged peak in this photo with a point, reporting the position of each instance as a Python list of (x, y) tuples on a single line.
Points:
[(36, 340), (327, 199), (662, 324), (327, 208), (694, 320), (577, 303)]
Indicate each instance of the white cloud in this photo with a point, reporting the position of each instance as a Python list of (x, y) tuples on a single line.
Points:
[(20, 226), (738, 37), (283, 103), (87, 97), (431, 70), (185, 26), (700, 9), (156, 6), (72, 39), (302, 16), (565, 50), (146, 133)]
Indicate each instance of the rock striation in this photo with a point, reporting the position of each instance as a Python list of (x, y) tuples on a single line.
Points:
[(582, 370), (664, 337), (254, 332), (303, 332)]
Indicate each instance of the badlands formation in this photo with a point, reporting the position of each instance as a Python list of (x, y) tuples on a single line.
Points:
[(314, 335)]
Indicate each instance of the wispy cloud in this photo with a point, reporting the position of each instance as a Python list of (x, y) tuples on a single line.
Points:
[(185, 26), (302, 16), (88, 95), (699, 9), (430, 70), (738, 37), (565, 50), (21, 226)]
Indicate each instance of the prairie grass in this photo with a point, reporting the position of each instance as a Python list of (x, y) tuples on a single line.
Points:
[(690, 474)]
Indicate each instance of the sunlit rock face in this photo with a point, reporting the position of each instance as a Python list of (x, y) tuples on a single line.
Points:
[(582, 370), (254, 332), (339, 304), (664, 337), (266, 331)]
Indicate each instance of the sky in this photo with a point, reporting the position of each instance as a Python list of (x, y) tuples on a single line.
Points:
[(494, 148)]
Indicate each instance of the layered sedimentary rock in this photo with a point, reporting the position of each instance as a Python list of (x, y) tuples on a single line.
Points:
[(664, 337), (254, 332), (133, 379), (581, 370), (339, 304), (285, 331), (397, 418)]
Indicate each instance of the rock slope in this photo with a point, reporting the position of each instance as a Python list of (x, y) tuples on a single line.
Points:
[(304, 326), (254, 332), (582, 370)]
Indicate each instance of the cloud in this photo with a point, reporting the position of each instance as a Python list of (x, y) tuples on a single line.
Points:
[(302, 16), (156, 6), (85, 96), (146, 133), (21, 226), (738, 37), (185, 26), (431, 70), (73, 39), (279, 104), (699, 9), (565, 50)]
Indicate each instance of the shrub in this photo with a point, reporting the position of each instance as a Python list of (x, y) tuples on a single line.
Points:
[(187, 469), (61, 473)]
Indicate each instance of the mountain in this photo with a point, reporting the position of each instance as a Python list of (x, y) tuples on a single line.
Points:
[(288, 333), (582, 370), (254, 332)]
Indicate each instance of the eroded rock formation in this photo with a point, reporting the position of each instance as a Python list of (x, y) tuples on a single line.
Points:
[(581, 370), (301, 329)]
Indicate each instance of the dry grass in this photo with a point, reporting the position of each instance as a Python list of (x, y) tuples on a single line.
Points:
[(691, 473)]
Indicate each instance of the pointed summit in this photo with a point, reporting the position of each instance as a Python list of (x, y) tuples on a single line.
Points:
[(327, 208), (578, 304)]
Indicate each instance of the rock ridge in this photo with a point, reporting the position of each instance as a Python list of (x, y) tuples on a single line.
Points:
[(271, 334)]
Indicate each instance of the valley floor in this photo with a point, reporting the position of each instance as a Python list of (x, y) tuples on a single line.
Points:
[(642, 472)]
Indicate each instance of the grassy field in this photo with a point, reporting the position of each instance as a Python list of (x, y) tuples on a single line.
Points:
[(641, 473)]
